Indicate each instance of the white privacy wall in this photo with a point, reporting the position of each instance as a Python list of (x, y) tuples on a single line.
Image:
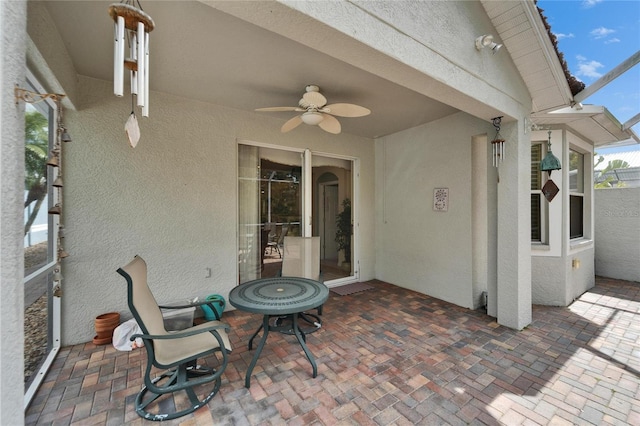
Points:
[(419, 248), (171, 200), (617, 229)]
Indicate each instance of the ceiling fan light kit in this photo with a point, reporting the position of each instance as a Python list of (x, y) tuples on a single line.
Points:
[(312, 118), (316, 112)]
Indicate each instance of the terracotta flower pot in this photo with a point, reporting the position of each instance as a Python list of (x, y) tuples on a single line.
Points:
[(105, 324)]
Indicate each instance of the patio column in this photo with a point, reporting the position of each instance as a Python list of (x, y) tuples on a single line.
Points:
[(513, 229), (13, 16)]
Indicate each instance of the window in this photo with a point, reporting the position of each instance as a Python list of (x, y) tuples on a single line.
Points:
[(539, 208), (576, 194)]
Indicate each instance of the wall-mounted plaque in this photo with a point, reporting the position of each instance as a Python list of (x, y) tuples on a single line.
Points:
[(441, 199)]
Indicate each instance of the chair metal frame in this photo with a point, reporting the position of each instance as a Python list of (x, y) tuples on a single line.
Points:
[(183, 374)]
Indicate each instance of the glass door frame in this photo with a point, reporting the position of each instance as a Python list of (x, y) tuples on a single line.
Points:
[(307, 199)]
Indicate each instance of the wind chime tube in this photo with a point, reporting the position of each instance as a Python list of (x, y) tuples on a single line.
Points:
[(141, 62), (145, 108), (493, 154), (118, 58), (133, 48)]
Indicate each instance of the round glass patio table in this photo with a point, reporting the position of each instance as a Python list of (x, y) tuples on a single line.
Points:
[(279, 297)]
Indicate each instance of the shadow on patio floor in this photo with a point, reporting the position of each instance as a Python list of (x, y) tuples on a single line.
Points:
[(393, 356)]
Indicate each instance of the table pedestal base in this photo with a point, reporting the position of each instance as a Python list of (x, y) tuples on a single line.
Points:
[(292, 328)]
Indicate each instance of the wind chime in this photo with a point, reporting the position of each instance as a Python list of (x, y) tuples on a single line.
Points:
[(497, 145), (548, 164), (138, 25), (55, 162)]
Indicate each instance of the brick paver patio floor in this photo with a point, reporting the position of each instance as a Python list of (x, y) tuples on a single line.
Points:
[(392, 356)]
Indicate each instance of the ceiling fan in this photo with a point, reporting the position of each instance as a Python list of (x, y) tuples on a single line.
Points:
[(316, 112)]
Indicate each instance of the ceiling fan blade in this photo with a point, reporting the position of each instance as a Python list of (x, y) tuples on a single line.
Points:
[(313, 98), (330, 124), (279, 109), (347, 110), (291, 124)]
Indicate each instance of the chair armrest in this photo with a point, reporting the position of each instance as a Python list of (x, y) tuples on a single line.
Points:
[(179, 306), (184, 333), (190, 305)]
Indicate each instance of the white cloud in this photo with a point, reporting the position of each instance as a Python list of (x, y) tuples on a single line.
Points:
[(560, 36), (590, 3), (612, 40), (588, 68), (601, 32)]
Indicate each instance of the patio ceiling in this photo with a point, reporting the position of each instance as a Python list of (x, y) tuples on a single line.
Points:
[(201, 53)]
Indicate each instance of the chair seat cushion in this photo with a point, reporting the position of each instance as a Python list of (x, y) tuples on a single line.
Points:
[(170, 352)]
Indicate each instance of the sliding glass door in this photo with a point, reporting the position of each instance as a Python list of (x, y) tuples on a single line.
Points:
[(332, 193), (290, 192)]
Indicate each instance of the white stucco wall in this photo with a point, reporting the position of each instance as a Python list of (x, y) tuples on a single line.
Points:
[(419, 248), (12, 69), (172, 199), (617, 230)]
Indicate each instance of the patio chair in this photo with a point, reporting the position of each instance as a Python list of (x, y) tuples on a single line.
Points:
[(278, 243), (173, 352), (301, 258)]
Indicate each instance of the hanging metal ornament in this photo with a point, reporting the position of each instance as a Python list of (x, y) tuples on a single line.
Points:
[(497, 144), (138, 25), (550, 161), (128, 15)]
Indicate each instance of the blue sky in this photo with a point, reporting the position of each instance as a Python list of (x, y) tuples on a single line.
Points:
[(595, 36)]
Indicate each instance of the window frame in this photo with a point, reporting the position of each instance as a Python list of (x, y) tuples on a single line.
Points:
[(586, 150), (543, 207)]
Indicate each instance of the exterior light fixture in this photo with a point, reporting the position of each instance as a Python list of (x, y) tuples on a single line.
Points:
[(550, 161), (487, 41)]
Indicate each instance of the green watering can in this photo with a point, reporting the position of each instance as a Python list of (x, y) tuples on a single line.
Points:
[(214, 309)]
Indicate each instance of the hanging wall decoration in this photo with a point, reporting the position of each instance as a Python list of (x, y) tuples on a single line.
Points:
[(548, 164), (55, 162), (441, 199), (138, 25), (497, 145)]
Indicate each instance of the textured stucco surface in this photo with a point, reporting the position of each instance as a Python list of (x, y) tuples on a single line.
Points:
[(12, 71), (617, 229), (171, 200), (419, 248)]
